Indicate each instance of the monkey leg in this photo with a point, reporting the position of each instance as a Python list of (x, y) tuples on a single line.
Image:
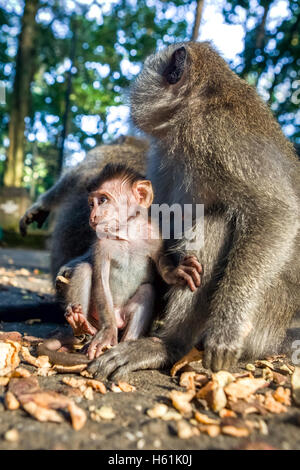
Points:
[(139, 310), (270, 325)]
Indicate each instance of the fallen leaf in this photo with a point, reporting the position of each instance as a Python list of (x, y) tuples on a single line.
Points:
[(40, 362), (9, 356), (4, 381), (204, 419), (96, 385), (225, 413), (213, 395), (125, 387), (283, 395), (185, 430), (273, 405), (78, 416), (212, 430), (193, 356), (69, 369), (244, 387), (158, 410), (11, 402), (181, 400), (187, 380)]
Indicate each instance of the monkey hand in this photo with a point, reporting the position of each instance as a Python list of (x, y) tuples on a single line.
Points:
[(105, 338), (187, 272), (118, 362), (36, 213), (222, 348)]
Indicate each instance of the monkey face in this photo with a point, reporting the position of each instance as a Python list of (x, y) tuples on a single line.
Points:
[(116, 202)]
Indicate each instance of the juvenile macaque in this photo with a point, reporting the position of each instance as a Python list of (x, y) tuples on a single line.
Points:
[(215, 142), (113, 291), (72, 236)]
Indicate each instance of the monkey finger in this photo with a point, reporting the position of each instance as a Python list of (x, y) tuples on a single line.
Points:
[(189, 280), (193, 273), (193, 262)]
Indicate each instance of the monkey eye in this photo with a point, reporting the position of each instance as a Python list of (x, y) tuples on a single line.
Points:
[(102, 199)]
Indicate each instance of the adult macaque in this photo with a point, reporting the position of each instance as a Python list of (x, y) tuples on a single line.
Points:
[(215, 142), (112, 290)]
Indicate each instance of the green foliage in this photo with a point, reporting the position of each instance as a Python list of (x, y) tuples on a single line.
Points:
[(271, 56)]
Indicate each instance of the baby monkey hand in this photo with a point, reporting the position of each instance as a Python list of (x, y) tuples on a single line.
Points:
[(187, 272), (104, 339)]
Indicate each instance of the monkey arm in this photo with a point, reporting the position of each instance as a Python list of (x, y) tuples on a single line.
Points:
[(48, 201), (107, 335), (67, 269)]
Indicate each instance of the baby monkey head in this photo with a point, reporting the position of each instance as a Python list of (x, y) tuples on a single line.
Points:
[(117, 196)]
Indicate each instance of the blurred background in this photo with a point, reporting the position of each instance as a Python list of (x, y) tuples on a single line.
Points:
[(65, 66)]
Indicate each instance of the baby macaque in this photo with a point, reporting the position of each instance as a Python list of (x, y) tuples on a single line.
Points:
[(113, 291)]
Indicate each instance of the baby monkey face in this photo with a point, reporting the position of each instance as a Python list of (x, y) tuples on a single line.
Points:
[(117, 201)]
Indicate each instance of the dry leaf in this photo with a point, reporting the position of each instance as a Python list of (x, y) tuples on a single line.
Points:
[(125, 387), (158, 410), (204, 419), (185, 430), (187, 380), (40, 362), (106, 413), (279, 379), (171, 415), (73, 382), (214, 396), (21, 372), (244, 387), (263, 364), (69, 369), (283, 395), (10, 335), (273, 405), (12, 435), (193, 356), (11, 402), (235, 432), (225, 413), (96, 385), (88, 393), (9, 356), (4, 381), (181, 400), (78, 416), (42, 414), (212, 430)]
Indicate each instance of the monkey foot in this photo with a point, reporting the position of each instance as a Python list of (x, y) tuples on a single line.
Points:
[(78, 321)]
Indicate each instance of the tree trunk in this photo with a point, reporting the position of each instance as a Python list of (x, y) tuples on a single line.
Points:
[(25, 62), (198, 16), (66, 115)]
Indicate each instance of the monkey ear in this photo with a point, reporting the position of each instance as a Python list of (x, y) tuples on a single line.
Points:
[(143, 192), (174, 71)]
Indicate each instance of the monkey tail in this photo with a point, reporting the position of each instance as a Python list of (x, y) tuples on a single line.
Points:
[(51, 312)]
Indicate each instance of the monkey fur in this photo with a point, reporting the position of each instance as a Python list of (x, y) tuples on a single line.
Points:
[(215, 142)]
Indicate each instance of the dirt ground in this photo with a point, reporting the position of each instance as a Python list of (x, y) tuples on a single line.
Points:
[(131, 428)]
